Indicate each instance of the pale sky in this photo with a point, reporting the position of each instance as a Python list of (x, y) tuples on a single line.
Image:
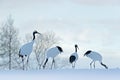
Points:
[(92, 24)]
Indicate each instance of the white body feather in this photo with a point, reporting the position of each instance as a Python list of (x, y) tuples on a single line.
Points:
[(95, 56), (76, 55), (53, 52), (26, 49)]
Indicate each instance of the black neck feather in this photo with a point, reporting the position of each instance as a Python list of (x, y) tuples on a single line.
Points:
[(75, 49), (33, 36)]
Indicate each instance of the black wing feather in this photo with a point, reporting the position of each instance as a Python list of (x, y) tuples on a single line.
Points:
[(72, 59)]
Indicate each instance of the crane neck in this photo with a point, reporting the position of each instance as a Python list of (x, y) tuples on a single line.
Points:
[(75, 49), (33, 36)]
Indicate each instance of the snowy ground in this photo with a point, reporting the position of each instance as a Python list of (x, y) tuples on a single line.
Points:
[(64, 74)]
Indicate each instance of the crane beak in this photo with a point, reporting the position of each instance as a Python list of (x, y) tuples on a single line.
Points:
[(84, 55), (40, 34), (78, 48)]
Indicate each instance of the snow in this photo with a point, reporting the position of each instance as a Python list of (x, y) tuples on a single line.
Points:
[(62, 74)]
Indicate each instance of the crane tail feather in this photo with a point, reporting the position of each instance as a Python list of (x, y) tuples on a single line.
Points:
[(20, 54)]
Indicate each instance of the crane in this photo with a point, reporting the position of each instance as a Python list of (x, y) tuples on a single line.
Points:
[(95, 56), (52, 52), (74, 57), (27, 48)]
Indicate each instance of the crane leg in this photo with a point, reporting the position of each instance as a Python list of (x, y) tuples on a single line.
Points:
[(94, 65), (73, 65), (45, 63), (23, 63), (27, 60), (53, 63), (104, 65), (22, 57), (91, 64)]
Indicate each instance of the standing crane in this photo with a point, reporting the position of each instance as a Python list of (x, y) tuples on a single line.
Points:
[(95, 57), (74, 57), (27, 48), (53, 52)]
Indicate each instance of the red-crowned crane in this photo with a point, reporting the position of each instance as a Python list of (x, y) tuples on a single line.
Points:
[(52, 52), (74, 57), (95, 57), (26, 49)]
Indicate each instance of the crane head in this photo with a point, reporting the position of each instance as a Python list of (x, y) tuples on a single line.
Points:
[(36, 32), (76, 46)]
